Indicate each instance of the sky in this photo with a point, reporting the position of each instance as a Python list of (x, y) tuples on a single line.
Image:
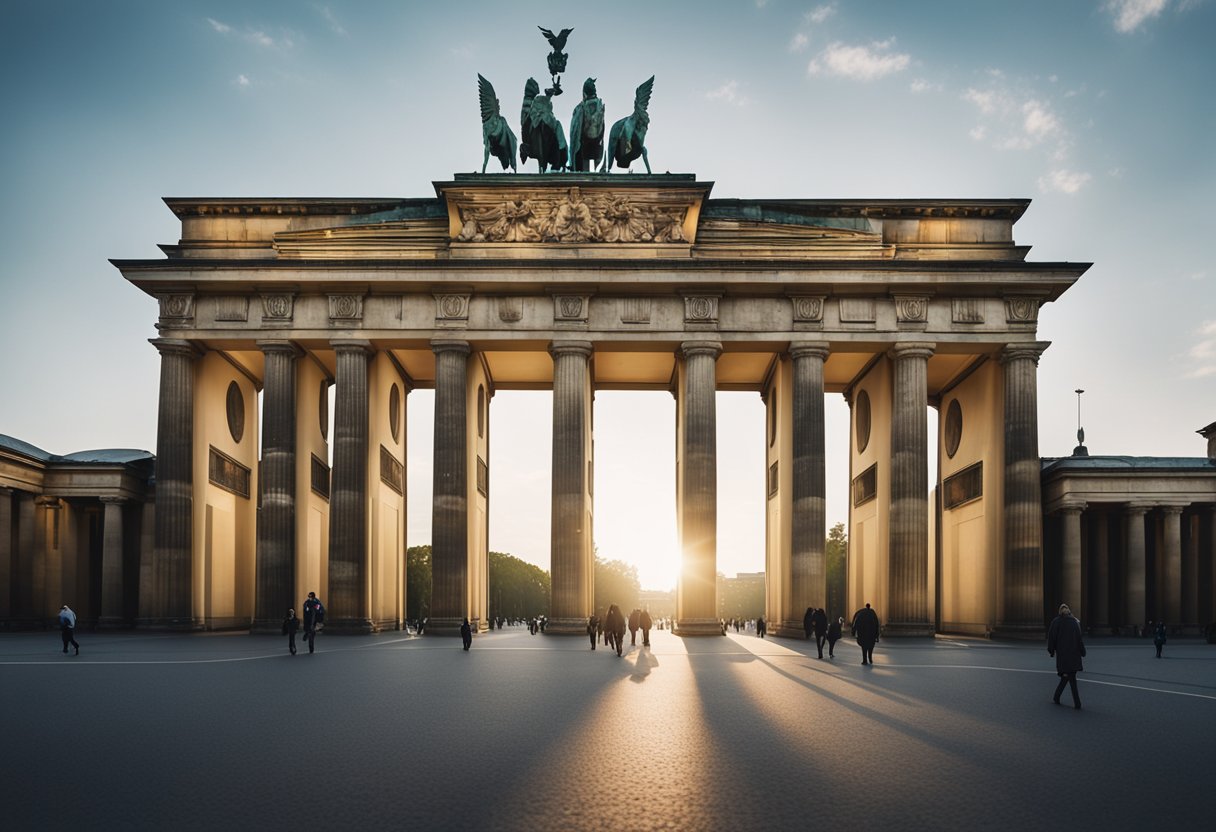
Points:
[(1100, 112)]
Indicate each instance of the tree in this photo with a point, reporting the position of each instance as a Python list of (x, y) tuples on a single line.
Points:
[(837, 551), (417, 581), (518, 589), (616, 582)]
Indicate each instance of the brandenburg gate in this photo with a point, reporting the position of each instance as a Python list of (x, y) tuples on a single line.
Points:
[(574, 283)]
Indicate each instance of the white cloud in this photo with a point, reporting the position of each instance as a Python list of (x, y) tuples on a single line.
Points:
[(799, 42), (242, 80), (985, 100), (978, 132), (728, 92), (1130, 14), (920, 85), (1203, 351), (861, 63), (1039, 122), (335, 26), (818, 15), (222, 28), (1064, 181)]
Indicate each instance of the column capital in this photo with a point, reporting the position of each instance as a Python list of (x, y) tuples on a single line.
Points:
[(47, 502), (912, 349), (1173, 508), (1029, 351), (113, 501), (810, 349), (1072, 507), (349, 345), (280, 345), (439, 345), (1137, 508), (583, 348), (175, 346), (711, 348)]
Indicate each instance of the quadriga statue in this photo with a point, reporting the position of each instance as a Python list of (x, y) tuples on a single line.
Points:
[(587, 131), (542, 136), (627, 141), (496, 134)]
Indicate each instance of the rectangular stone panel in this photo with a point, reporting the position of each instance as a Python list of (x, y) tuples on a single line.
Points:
[(967, 311), (392, 472), (964, 486), (857, 310), (773, 480), (865, 485), (483, 477), (231, 308), (320, 477), (635, 310), (225, 472)]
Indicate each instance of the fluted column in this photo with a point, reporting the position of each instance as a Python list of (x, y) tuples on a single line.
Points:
[(6, 553), (908, 574), (1022, 554), (1070, 514), (698, 608), (1207, 560), (23, 556), (808, 532), (174, 486), (450, 500), (1100, 556), (571, 560), (1171, 517), (112, 564), (1133, 518), (347, 607), (276, 553), (1190, 572)]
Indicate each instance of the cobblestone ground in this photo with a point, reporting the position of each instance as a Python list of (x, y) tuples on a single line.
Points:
[(525, 732)]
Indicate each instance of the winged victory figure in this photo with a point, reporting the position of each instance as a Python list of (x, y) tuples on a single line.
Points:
[(496, 134), (627, 141), (557, 58), (587, 131), (543, 137)]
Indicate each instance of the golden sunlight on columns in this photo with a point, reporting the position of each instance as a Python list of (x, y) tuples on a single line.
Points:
[(697, 490)]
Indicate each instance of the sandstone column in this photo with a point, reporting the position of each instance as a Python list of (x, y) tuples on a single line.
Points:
[(112, 614), (909, 531), (572, 564), (1071, 562), (698, 608), (347, 605), (1207, 559), (174, 485), (1100, 556), (450, 497), (23, 556), (1171, 517), (1190, 572), (1022, 561), (1133, 515), (276, 552), (808, 533), (6, 553)]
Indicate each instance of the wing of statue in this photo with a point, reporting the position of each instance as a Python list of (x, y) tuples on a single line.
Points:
[(489, 101), (558, 42), (641, 98), (531, 90)]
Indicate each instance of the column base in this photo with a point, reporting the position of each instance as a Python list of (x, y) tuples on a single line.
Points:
[(113, 623), (1020, 632), (698, 627), (789, 629), (566, 627), (908, 629), (444, 627), (175, 625), (348, 626), (266, 626)]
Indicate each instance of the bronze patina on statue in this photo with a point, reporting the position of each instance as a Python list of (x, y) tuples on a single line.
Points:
[(496, 134), (627, 141), (557, 58), (587, 131)]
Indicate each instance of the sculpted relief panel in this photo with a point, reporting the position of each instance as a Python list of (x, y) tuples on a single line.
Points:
[(571, 218)]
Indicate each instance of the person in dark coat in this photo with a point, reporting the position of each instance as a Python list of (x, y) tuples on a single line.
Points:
[(808, 622), (593, 628), (615, 625), (314, 618), (634, 622), (834, 636), (466, 634), (1159, 637), (67, 628), (291, 626), (819, 620), (1064, 642), (865, 628), (761, 627), (645, 622)]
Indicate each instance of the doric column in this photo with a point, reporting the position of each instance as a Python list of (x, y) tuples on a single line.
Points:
[(6, 553), (276, 552), (698, 612), (1190, 572), (1022, 554), (1171, 517), (1207, 559), (1070, 514), (909, 531), (808, 534), (347, 607), (1099, 549), (571, 559), (450, 496), (112, 614), (174, 485), (1133, 517), (24, 557)]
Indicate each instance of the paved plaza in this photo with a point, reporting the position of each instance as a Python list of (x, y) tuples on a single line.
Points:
[(534, 732)]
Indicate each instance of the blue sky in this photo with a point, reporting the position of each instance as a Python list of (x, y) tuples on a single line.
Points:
[(1101, 112)]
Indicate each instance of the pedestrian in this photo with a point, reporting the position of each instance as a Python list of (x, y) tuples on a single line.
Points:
[(291, 625), (865, 628), (645, 621), (634, 622), (314, 619), (67, 628), (808, 621), (466, 634), (1159, 637), (761, 627), (1065, 643), (593, 628), (614, 624), (834, 636), (819, 620)]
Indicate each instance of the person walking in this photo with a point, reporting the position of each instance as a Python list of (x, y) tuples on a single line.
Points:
[(634, 621), (1159, 637), (616, 627), (808, 622), (761, 627), (593, 628), (865, 628), (646, 623), (67, 628), (291, 625), (1065, 644), (834, 636), (466, 634), (819, 620), (314, 619)]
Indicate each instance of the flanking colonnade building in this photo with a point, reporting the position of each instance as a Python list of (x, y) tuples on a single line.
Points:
[(577, 283)]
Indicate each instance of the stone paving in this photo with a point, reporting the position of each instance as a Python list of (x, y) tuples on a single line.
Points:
[(525, 732)]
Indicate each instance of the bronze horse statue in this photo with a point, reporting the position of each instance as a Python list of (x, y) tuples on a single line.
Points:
[(587, 131), (627, 141), (542, 136), (496, 134)]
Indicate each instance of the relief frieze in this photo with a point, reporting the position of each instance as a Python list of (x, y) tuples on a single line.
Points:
[(572, 218), (176, 308)]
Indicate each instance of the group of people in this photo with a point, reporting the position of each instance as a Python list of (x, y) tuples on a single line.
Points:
[(815, 621), (314, 620), (611, 628)]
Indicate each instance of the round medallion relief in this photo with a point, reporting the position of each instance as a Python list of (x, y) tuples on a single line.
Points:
[(394, 412), (861, 416), (235, 406), (323, 410), (954, 428)]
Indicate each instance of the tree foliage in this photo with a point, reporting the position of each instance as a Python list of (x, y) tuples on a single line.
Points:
[(740, 597), (616, 582), (417, 581), (518, 589), (837, 552)]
